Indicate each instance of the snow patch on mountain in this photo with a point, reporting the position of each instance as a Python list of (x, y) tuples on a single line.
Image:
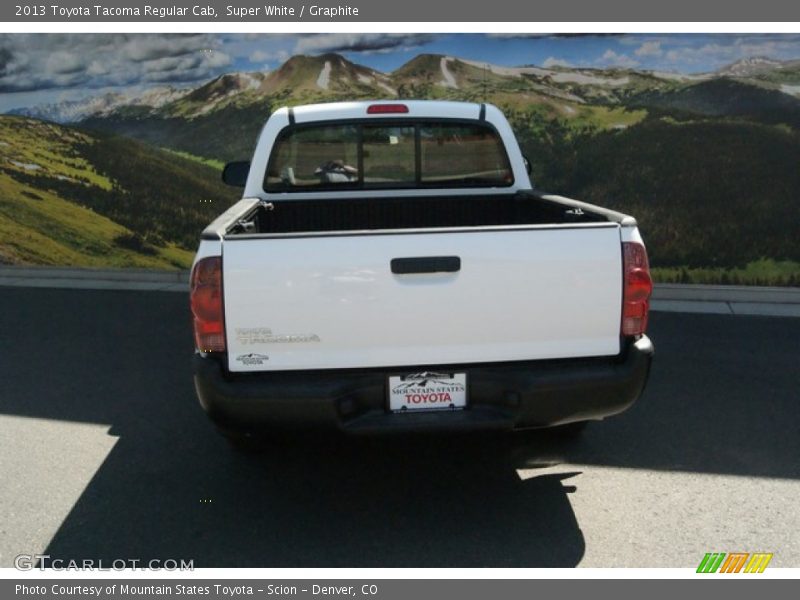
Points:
[(448, 80), (496, 69), (583, 78), (72, 111), (750, 66), (508, 71), (324, 78), (158, 97), (26, 166), (669, 75), (253, 83)]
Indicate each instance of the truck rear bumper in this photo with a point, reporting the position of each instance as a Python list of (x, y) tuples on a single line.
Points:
[(502, 396)]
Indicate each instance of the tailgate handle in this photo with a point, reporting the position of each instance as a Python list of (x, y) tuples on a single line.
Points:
[(426, 264)]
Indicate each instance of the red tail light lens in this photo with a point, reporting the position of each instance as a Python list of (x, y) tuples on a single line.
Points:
[(638, 286), (383, 109), (206, 301)]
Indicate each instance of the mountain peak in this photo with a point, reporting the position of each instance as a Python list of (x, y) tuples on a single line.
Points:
[(323, 72), (68, 111), (750, 66), (227, 84), (313, 59), (420, 62)]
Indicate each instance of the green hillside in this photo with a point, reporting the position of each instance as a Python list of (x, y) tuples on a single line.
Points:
[(707, 194), (707, 164), (224, 135), (726, 97), (71, 198)]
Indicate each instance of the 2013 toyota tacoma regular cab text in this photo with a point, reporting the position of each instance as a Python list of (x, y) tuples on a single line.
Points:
[(391, 268)]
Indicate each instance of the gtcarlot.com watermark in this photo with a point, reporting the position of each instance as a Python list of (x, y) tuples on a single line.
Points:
[(42, 562)]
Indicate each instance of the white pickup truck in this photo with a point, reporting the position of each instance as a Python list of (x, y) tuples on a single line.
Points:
[(390, 268)]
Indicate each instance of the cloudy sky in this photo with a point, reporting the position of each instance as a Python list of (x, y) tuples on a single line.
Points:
[(38, 68)]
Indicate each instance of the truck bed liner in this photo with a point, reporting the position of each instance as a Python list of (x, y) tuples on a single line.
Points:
[(355, 214)]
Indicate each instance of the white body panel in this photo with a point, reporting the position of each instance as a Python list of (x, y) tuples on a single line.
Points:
[(325, 302)]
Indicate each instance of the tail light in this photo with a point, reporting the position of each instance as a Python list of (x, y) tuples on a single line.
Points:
[(384, 109), (205, 297), (637, 287)]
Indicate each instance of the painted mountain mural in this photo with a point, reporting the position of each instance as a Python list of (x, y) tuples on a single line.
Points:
[(707, 161)]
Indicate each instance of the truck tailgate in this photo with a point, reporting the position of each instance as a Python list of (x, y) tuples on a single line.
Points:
[(333, 301)]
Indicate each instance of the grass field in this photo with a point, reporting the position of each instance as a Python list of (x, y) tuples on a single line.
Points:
[(761, 272), (38, 227), (209, 162), (56, 203)]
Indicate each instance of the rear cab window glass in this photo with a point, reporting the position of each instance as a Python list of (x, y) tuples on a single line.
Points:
[(389, 154), (314, 156), (462, 154)]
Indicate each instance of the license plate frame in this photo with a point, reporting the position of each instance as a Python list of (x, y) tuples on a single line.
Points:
[(426, 391)]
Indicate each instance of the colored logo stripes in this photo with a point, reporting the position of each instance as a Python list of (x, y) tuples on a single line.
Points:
[(734, 562)]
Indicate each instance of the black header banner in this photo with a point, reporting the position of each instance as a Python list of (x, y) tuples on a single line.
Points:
[(444, 11)]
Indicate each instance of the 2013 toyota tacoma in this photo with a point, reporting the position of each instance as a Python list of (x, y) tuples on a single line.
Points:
[(391, 268)]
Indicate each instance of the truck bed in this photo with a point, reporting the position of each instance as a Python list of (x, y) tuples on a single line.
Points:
[(314, 284), (417, 212)]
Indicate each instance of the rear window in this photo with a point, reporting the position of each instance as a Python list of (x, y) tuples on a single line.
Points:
[(387, 155)]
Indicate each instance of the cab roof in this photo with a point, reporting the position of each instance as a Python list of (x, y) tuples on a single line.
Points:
[(435, 109)]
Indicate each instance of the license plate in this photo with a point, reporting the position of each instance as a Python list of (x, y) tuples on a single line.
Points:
[(427, 391)]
